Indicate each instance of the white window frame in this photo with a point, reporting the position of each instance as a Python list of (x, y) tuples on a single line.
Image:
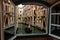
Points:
[(50, 20)]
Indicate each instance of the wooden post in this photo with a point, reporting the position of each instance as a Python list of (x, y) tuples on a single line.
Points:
[(1, 24)]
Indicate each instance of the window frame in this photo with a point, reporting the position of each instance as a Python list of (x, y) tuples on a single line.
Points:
[(50, 24)]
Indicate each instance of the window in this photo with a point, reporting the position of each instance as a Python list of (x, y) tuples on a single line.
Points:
[(31, 16), (20, 11), (7, 21), (6, 8), (55, 20)]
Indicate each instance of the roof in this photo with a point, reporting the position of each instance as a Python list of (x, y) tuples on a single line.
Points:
[(45, 2)]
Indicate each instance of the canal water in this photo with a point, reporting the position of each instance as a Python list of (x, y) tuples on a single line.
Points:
[(33, 29), (22, 29)]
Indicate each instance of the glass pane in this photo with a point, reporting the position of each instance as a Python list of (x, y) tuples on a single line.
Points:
[(56, 9), (59, 19), (55, 19), (55, 30)]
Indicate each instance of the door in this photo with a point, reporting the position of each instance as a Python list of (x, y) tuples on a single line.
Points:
[(54, 27)]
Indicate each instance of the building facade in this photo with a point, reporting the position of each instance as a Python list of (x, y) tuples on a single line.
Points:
[(35, 15), (8, 14)]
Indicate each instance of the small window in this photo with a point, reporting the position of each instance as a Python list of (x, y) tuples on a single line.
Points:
[(20, 11)]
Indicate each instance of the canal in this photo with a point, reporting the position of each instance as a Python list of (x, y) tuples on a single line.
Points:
[(33, 29)]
